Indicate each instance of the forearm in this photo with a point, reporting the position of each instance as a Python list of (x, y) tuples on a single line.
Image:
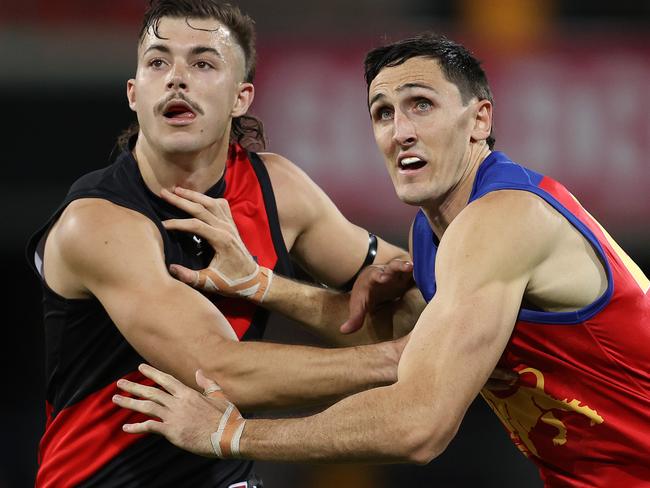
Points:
[(322, 311), (257, 375), (378, 426)]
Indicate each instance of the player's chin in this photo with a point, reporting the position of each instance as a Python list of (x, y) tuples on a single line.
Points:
[(183, 142), (410, 195)]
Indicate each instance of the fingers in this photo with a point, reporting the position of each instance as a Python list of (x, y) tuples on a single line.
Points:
[(187, 276), (168, 382), (495, 385), (400, 266), (144, 391), (504, 374), (366, 296), (210, 387), (378, 273), (193, 208), (146, 407), (382, 273), (194, 226), (191, 195), (502, 379), (147, 427), (198, 205), (352, 325), (396, 269), (357, 313), (359, 298), (217, 234)]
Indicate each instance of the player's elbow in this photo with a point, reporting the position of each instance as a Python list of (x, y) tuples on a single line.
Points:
[(428, 440), (229, 367), (427, 450)]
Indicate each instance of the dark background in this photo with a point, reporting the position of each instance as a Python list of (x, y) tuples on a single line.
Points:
[(63, 65)]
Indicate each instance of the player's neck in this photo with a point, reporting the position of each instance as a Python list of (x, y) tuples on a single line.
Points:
[(197, 171), (441, 214)]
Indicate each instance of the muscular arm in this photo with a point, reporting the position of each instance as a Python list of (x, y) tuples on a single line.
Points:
[(332, 250), (322, 311), (484, 265), (103, 250)]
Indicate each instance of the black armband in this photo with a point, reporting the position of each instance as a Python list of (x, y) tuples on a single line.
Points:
[(370, 258)]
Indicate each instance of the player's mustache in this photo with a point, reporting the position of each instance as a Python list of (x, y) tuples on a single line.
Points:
[(179, 96)]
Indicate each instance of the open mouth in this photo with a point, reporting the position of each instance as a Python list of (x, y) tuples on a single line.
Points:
[(178, 112), (411, 163)]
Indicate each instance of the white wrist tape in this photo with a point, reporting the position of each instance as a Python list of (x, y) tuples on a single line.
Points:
[(253, 287), (225, 441)]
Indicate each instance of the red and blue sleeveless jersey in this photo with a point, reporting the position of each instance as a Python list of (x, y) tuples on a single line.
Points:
[(581, 408), (83, 443)]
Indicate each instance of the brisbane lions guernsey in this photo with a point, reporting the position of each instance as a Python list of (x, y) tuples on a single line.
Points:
[(581, 409), (83, 443)]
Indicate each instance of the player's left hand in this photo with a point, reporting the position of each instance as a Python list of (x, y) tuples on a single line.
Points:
[(207, 425), (375, 286)]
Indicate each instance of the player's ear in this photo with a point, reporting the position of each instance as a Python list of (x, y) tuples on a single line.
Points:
[(130, 93), (482, 120), (243, 99)]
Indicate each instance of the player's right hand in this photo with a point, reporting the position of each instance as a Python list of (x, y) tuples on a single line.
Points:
[(207, 425), (375, 286), (233, 271)]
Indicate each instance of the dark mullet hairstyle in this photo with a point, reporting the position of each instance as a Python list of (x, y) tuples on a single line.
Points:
[(459, 65), (246, 130)]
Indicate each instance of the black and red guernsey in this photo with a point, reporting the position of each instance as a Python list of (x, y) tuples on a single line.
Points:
[(83, 443)]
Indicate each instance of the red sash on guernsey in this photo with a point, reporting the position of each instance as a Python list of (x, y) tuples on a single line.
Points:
[(83, 439), (246, 199)]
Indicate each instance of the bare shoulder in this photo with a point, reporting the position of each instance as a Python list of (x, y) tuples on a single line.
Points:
[(286, 175), (91, 227), (509, 212), (94, 218), (505, 230), (300, 201)]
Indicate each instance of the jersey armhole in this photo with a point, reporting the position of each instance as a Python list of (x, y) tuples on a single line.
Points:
[(587, 312), (283, 266)]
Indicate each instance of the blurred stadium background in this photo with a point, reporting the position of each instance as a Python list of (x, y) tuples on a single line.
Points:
[(570, 80)]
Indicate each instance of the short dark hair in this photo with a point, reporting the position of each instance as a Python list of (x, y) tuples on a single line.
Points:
[(457, 63), (247, 130)]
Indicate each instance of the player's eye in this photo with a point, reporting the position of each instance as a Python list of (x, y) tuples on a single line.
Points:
[(203, 65), (383, 113), (156, 63), (423, 105)]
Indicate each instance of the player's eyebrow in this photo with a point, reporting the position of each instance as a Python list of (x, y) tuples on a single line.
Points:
[(196, 50), (400, 88), (406, 86), (205, 49), (377, 97), (157, 47)]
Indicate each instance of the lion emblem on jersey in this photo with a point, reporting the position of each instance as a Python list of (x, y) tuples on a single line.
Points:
[(523, 410)]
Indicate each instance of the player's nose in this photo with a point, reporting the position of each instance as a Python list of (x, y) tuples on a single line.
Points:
[(404, 132), (177, 78)]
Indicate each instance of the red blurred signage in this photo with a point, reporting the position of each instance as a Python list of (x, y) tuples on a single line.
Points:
[(578, 113)]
